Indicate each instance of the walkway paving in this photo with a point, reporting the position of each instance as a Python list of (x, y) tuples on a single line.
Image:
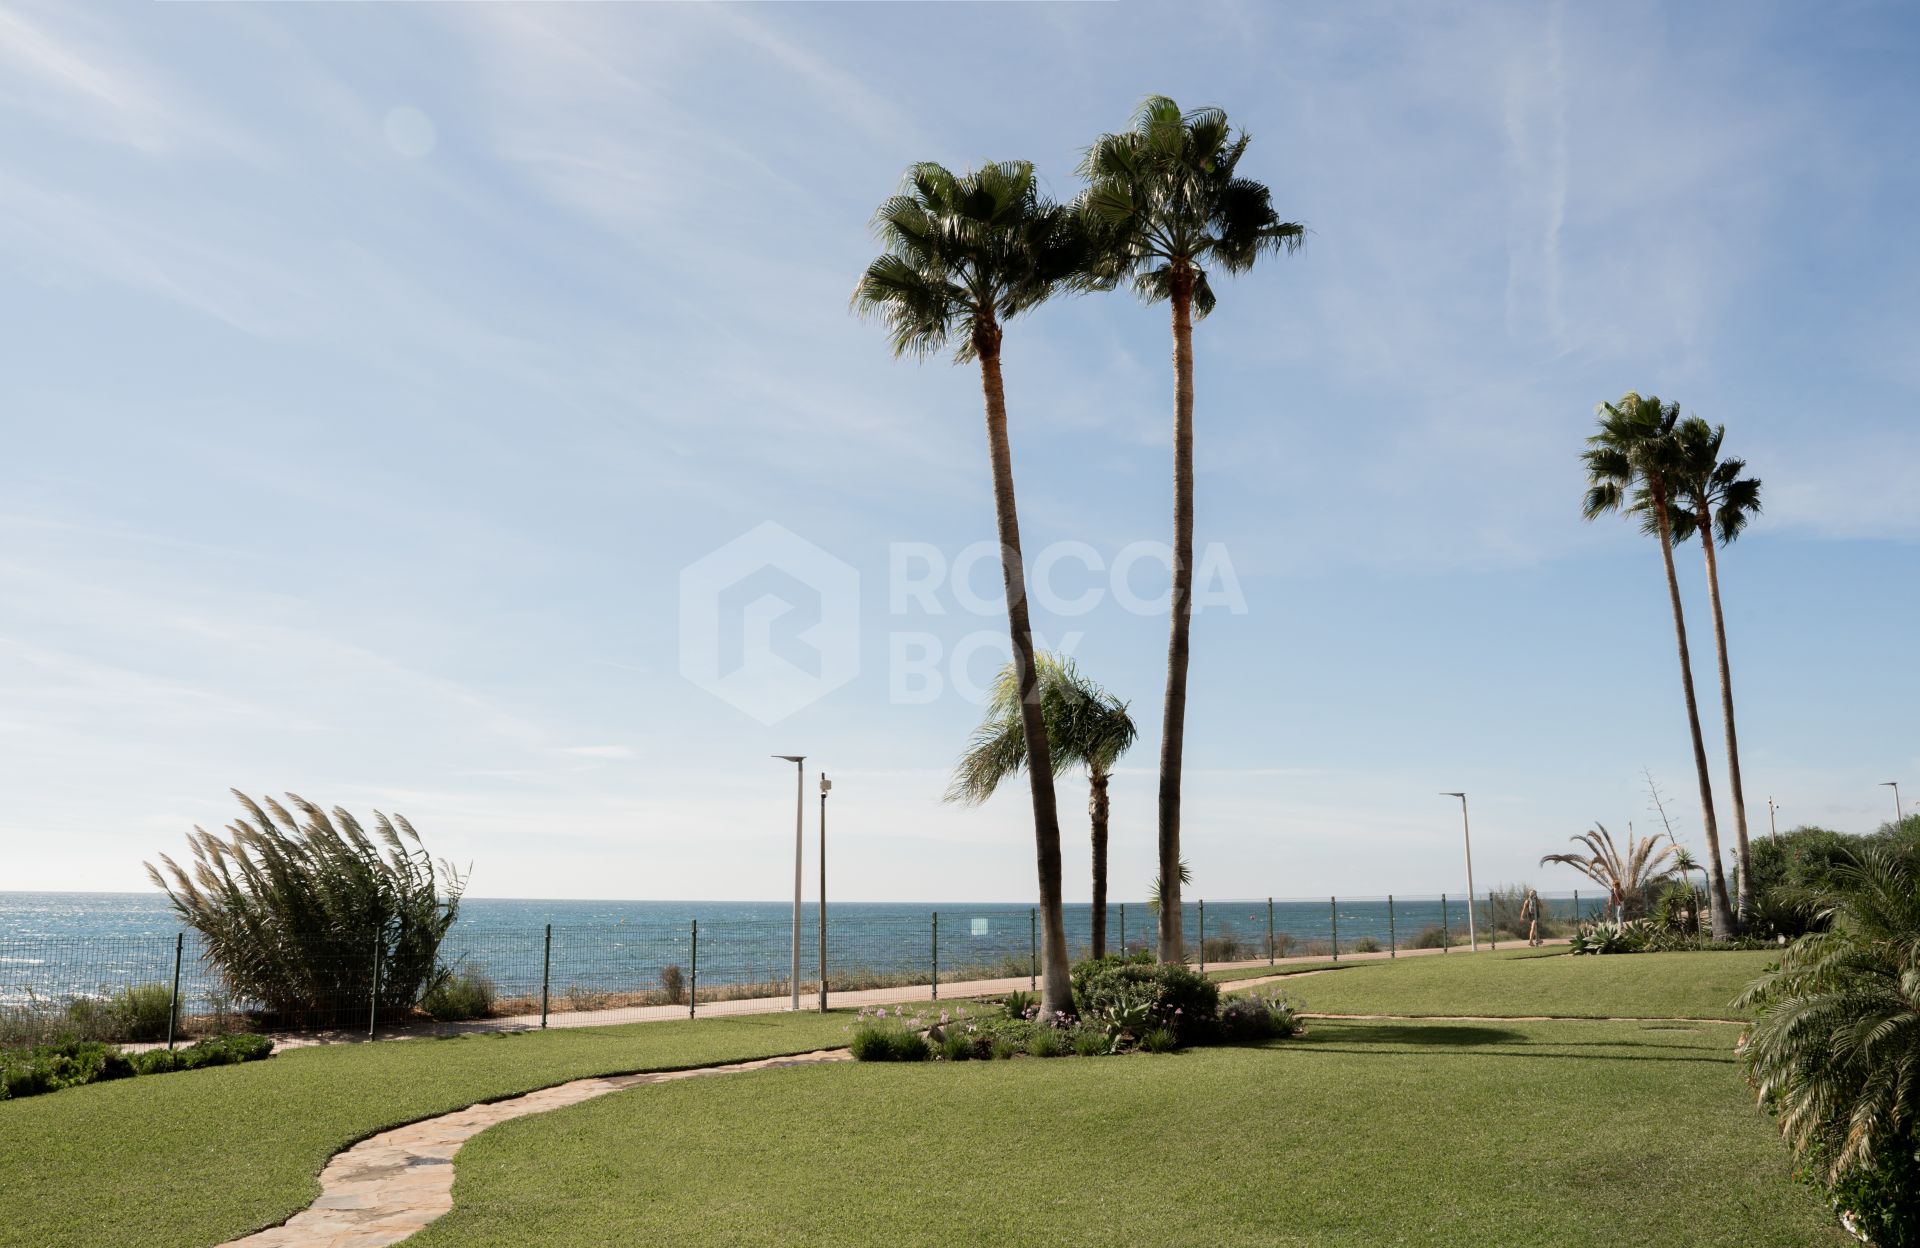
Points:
[(385, 1188)]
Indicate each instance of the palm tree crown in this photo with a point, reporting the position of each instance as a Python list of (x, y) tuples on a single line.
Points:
[(965, 253), (1629, 458), (1165, 204), (1705, 483), (1623, 875), (1086, 725)]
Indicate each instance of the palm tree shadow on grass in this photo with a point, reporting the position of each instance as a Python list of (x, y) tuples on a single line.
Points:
[(1452, 1035)]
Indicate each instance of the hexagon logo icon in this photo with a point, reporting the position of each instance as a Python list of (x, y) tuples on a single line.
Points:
[(769, 623)]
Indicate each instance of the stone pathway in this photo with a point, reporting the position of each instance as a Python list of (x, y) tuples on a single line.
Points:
[(385, 1188)]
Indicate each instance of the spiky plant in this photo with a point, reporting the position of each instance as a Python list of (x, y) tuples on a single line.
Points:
[(297, 912), (1835, 1044), (1622, 875)]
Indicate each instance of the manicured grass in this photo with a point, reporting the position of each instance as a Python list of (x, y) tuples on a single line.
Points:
[(196, 1158), (1524, 982), (1569, 1134)]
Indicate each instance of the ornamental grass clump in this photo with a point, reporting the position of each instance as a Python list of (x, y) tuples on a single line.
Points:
[(880, 1036), (297, 913)]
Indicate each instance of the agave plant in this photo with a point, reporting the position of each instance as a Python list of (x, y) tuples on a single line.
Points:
[(312, 919), (1622, 875), (1835, 1045)]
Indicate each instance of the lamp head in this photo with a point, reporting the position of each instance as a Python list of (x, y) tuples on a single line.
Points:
[(792, 758), (1458, 795), (825, 784)]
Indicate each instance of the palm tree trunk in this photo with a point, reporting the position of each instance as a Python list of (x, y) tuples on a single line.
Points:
[(1723, 924), (1173, 722), (1097, 810), (1745, 875), (1056, 983)]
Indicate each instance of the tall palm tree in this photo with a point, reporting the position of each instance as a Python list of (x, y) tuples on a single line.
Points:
[(1623, 875), (964, 254), (1085, 725), (1714, 500), (1629, 464), (1166, 205)]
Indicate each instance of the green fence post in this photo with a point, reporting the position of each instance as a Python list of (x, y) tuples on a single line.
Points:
[(173, 1002), (936, 955), (1333, 912), (1446, 936), (1269, 931), (1033, 951), (1123, 929), (693, 980), (373, 1000), (1576, 909), (1393, 943), (1493, 932), (1203, 936), (546, 975)]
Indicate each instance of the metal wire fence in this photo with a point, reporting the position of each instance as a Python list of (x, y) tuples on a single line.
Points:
[(159, 989)]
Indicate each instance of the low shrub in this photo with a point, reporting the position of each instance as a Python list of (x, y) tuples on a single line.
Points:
[(459, 996), (1021, 1004), (882, 1037), (1176, 998), (1367, 944), (1260, 1016), (216, 1051), (1881, 1202), (1048, 1042), (51, 1067), (955, 1046), (140, 1012), (1608, 936), (1160, 1040), (1089, 1042), (1003, 1047), (673, 985), (1433, 936)]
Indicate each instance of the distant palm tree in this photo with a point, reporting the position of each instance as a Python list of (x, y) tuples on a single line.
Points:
[(965, 253), (1629, 464), (1714, 500), (1085, 725), (1622, 875), (1165, 204)]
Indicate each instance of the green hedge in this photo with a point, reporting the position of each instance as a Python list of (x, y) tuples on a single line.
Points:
[(51, 1067)]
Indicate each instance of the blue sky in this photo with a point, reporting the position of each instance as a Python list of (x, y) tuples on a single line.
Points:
[(372, 372)]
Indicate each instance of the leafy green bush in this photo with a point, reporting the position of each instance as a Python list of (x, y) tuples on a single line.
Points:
[(1260, 1016), (1048, 1041), (1880, 1201), (51, 1067), (141, 1011), (1366, 944), (298, 914), (214, 1051), (1021, 1004), (673, 985), (1835, 1044), (956, 1046), (1433, 936), (1179, 998), (1089, 1042), (459, 995)]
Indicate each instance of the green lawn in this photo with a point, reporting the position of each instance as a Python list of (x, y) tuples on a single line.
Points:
[(1524, 982), (196, 1158), (1377, 1133), (1364, 1134), (1233, 974)]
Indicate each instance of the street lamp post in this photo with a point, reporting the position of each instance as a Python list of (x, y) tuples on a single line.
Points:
[(799, 817), (1772, 826), (826, 786), (1897, 808), (1466, 832)]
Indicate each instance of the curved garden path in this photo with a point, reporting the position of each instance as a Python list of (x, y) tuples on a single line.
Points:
[(390, 1185)]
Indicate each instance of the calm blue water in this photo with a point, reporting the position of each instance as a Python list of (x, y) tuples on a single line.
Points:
[(54, 945)]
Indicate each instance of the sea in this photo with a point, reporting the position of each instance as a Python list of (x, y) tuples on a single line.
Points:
[(56, 946)]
